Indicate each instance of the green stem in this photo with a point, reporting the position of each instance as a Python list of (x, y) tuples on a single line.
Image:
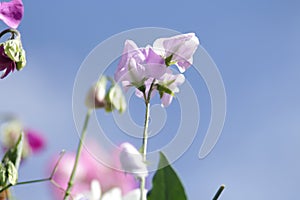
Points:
[(83, 132), (145, 137), (144, 147), (220, 190), (37, 180)]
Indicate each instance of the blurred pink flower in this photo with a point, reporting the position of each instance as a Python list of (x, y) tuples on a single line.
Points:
[(11, 13), (33, 142), (90, 169)]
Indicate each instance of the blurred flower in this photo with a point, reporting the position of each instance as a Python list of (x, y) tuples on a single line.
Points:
[(112, 194), (33, 141), (96, 95), (178, 49), (101, 97), (116, 98), (12, 54), (11, 12), (88, 170), (132, 161)]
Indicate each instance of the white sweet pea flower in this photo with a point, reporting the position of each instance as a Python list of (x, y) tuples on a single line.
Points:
[(93, 194), (132, 161), (112, 194), (178, 49)]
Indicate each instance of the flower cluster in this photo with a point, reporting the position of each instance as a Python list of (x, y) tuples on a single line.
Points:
[(147, 69)]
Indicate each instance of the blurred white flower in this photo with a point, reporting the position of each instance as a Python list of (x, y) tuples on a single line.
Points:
[(132, 161), (112, 194)]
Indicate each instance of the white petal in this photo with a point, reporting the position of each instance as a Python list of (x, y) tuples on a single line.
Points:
[(113, 194), (134, 195)]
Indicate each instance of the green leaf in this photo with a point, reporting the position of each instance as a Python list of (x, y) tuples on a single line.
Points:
[(14, 154), (163, 89), (12, 173), (168, 60), (166, 183)]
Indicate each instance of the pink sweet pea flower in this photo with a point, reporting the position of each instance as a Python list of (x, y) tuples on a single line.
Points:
[(89, 169), (138, 65), (11, 13), (178, 49), (33, 141)]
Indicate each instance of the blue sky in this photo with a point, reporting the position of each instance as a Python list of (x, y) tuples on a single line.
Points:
[(255, 45)]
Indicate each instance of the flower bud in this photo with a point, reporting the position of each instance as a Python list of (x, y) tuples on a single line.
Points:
[(132, 161), (96, 95), (109, 99)]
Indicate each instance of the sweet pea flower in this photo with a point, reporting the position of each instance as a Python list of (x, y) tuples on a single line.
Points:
[(178, 50), (138, 65), (33, 141), (89, 170), (11, 13), (95, 193), (12, 54), (132, 161)]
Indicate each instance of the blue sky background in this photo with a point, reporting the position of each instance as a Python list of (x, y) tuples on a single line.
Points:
[(255, 45)]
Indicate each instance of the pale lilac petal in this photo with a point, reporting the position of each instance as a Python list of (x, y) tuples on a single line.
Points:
[(166, 100), (181, 47), (153, 57), (130, 51), (11, 13)]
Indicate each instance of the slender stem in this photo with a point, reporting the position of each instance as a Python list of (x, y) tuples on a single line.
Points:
[(37, 180), (220, 190), (145, 137), (144, 147), (13, 32), (83, 132)]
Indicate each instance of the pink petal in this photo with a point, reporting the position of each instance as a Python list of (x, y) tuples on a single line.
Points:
[(11, 13), (35, 140)]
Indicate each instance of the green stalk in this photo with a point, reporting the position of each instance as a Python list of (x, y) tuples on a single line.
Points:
[(37, 180), (219, 192), (145, 137), (144, 147), (83, 133)]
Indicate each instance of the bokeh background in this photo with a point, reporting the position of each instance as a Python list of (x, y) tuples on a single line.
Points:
[(255, 45)]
